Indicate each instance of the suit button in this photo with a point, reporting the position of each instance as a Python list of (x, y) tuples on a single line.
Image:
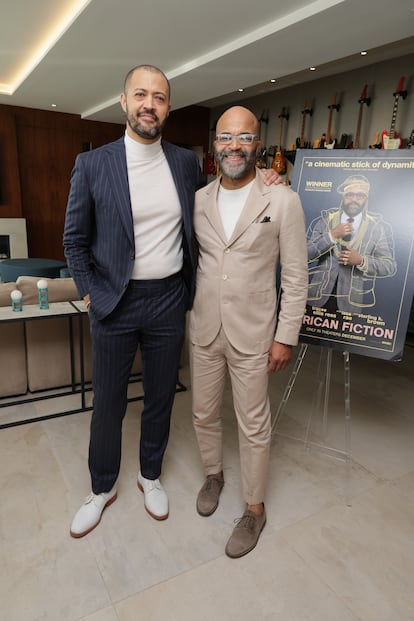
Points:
[(227, 250), (225, 277)]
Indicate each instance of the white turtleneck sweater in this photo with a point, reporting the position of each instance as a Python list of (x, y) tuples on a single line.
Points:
[(156, 211)]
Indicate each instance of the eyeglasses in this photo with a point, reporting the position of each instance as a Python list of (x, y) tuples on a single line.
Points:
[(241, 138), (356, 195)]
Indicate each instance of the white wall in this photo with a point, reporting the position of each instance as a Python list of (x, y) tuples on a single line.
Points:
[(382, 80)]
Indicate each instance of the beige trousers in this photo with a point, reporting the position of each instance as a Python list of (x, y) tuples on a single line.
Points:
[(249, 381)]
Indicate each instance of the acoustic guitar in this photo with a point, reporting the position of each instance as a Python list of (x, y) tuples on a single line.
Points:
[(279, 162), (391, 140), (362, 101)]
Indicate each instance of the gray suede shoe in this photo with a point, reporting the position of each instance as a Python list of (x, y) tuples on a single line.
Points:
[(209, 494), (245, 534)]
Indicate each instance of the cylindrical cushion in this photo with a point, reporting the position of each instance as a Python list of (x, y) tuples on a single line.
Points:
[(59, 289)]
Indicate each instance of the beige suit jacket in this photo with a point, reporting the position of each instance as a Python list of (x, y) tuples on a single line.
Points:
[(236, 278)]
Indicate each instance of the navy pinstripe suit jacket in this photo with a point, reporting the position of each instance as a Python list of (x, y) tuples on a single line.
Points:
[(99, 236)]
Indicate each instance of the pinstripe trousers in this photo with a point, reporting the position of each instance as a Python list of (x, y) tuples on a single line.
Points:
[(151, 315)]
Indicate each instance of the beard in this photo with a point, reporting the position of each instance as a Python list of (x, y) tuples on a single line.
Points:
[(142, 130), (234, 170), (352, 209)]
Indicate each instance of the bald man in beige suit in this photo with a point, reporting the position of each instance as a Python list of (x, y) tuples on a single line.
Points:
[(244, 229)]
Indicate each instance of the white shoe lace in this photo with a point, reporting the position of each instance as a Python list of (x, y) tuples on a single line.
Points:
[(152, 485)]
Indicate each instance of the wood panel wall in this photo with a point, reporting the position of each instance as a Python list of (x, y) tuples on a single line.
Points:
[(37, 152)]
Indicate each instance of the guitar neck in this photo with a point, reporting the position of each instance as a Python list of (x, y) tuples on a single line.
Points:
[(302, 133), (362, 100), (398, 93), (394, 116), (328, 131), (333, 106), (358, 129)]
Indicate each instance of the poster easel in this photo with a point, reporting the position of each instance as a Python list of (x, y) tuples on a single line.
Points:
[(320, 405)]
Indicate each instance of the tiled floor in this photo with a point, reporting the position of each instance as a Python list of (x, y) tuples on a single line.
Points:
[(317, 559)]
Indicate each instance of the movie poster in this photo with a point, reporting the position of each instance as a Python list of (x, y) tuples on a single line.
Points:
[(359, 208)]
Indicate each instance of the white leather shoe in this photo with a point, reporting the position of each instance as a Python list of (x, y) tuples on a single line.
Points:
[(155, 497), (90, 513)]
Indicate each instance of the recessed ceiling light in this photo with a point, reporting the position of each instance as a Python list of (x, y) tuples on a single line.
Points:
[(364, 53), (54, 105), (312, 68), (273, 80), (240, 90)]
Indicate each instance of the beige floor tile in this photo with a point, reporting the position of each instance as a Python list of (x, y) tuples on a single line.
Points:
[(317, 558), (364, 553), (405, 485), (44, 575), (272, 583), (107, 614), (382, 416)]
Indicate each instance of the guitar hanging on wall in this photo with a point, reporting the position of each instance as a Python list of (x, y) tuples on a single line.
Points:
[(261, 159), (279, 162), (391, 140), (362, 100), (211, 167), (300, 141), (327, 142)]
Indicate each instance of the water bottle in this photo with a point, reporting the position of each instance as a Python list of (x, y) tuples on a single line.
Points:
[(16, 298), (43, 294)]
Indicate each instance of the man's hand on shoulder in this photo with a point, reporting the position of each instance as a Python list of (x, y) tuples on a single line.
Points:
[(279, 357), (270, 177)]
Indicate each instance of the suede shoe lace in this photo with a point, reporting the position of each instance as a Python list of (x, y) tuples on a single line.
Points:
[(209, 494), (245, 534)]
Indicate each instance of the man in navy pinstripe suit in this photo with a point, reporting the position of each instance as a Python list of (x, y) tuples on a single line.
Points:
[(128, 241)]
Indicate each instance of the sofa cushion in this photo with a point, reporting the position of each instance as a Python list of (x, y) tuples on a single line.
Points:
[(59, 289), (13, 377), (48, 353)]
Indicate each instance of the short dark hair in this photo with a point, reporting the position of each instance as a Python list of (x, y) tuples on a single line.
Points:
[(150, 68)]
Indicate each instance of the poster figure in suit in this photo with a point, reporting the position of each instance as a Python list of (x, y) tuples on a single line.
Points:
[(348, 249)]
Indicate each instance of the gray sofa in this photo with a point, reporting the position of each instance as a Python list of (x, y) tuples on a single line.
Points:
[(35, 355)]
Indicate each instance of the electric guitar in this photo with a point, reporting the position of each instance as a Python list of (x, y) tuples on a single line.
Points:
[(376, 143), (211, 166), (300, 142), (362, 100), (410, 143), (329, 142), (261, 160), (391, 140), (279, 163)]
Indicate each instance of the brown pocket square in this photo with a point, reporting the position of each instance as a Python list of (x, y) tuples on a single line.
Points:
[(265, 219)]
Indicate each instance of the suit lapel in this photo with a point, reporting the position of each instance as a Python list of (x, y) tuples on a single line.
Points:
[(211, 210), (116, 169)]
